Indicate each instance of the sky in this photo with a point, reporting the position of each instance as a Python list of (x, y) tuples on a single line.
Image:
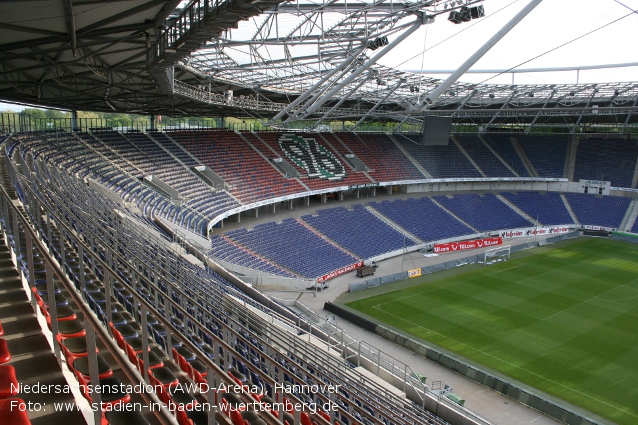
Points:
[(549, 25)]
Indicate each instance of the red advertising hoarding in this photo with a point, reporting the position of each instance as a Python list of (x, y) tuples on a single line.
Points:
[(465, 245), (339, 272)]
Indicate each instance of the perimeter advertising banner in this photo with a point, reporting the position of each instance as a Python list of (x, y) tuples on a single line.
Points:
[(465, 245), (593, 228), (339, 272), (534, 231), (414, 273)]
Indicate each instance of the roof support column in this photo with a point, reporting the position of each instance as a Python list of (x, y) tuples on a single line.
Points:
[(629, 114), (74, 120), (318, 84), (364, 67), (438, 91)]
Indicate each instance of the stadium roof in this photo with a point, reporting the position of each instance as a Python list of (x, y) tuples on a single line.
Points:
[(253, 58)]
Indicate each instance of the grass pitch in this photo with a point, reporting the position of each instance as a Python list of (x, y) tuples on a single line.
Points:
[(564, 321)]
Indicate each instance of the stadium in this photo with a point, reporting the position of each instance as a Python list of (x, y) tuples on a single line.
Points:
[(248, 212)]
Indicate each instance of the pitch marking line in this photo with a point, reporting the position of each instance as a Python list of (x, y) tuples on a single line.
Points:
[(508, 363)]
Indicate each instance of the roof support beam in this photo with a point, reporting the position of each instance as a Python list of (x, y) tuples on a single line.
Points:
[(69, 17), (374, 108), (438, 91), (467, 99), (529, 128), (318, 84), (343, 99), (29, 30), (580, 118), (123, 15), (503, 106), (396, 130), (316, 105)]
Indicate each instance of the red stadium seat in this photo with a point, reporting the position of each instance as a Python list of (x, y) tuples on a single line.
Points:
[(5, 355), (12, 414), (8, 381), (73, 347), (81, 365)]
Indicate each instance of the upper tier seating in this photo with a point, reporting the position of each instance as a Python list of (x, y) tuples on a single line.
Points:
[(440, 161), (503, 146), (163, 140), (607, 160), (384, 159), (484, 213), (358, 230), (249, 175), (423, 218), (547, 207), (293, 246), (110, 169), (140, 150), (271, 147), (606, 211), (483, 156), (546, 152)]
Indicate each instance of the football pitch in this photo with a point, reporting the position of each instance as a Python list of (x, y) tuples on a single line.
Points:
[(563, 320)]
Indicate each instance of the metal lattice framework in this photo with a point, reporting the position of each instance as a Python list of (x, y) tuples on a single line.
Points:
[(282, 62)]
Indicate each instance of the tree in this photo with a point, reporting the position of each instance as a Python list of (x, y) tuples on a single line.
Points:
[(33, 113), (54, 113)]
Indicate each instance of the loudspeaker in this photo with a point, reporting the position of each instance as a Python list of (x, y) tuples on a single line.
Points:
[(378, 42), (464, 14), (454, 17), (477, 12), (436, 131)]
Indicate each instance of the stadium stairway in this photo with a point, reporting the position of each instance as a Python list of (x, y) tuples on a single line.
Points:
[(515, 208), (414, 162), (523, 157), (467, 155), (569, 209), (497, 155), (326, 238), (570, 159), (454, 215), (394, 225), (627, 224), (31, 356)]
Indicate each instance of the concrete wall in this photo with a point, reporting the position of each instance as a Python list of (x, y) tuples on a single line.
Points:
[(483, 186), (266, 281)]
